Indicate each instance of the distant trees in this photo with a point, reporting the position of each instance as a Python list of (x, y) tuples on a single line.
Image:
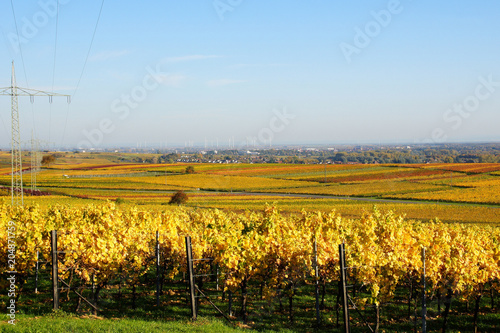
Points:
[(169, 158), (189, 169), (48, 160)]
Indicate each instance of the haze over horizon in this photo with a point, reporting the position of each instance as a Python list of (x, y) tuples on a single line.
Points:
[(171, 72)]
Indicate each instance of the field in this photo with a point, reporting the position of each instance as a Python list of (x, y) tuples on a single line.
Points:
[(103, 188), (264, 259), (451, 192)]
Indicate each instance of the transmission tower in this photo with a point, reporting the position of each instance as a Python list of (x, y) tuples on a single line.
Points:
[(17, 167), (35, 161)]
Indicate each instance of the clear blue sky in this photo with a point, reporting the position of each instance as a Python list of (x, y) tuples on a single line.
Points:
[(359, 71)]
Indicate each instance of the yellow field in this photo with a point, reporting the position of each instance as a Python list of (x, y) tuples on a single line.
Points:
[(221, 182), (101, 177), (283, 170), (367, 189), (484, 195), (465, 167), (5, 171), (88, 173), (480, 182)]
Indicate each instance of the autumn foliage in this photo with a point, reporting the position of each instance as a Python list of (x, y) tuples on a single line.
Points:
[(178, 198)]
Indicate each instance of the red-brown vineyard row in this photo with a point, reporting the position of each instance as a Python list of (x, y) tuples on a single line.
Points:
[(266, 248)]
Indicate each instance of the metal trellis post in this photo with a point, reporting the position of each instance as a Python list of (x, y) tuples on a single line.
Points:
[(55, 277), (424, 305), (192, 296), (345, 303), (157, 268)]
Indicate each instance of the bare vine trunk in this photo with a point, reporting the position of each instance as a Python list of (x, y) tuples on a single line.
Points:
[(244, 299), (377, 318), (446, 310), (476, 312)]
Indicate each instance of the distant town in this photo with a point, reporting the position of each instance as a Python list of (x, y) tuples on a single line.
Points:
[(335, 154)]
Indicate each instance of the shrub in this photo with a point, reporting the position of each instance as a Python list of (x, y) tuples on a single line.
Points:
[(178, 198), (48, 160), (120, 201)]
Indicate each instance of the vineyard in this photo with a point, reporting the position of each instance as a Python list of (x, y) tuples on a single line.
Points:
[(473, 189), (268, 251), (253, 229)]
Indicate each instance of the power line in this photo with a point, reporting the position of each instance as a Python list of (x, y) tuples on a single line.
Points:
[(19, 42), (22, 59), (83, 69), (65, 125), (14, 92), (90, 48), (55, 46), (33, 115), (54, 64), (3, 122)]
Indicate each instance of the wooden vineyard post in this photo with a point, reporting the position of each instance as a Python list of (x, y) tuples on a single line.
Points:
[(55, 277), (36, 271), (230, 305), (93, 286), (157, 253), (424, 305), (192, 295), (316, 277), (217, 277), (337, 304), (345, 303)]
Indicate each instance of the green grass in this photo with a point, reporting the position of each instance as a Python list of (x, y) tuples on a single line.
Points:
[(118, 313), (63, 322)]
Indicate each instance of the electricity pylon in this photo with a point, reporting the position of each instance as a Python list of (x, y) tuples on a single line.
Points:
[(35, 161), (14, 91)]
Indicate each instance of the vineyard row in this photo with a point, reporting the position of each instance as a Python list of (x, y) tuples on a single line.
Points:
[(269, 249)]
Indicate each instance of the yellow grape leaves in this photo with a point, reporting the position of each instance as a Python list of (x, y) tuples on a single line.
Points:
[(271, 248)]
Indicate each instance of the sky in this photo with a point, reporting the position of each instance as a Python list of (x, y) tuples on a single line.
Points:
[(238, 73)]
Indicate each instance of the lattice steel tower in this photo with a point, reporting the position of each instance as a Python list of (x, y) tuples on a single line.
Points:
[(17, 167), (35, 161)]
